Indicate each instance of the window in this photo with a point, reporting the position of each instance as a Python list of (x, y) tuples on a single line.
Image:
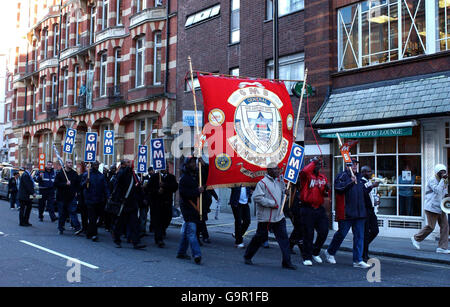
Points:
[(45, 43), (77, 29), (92, 25), (291, 68), (444, 25), (284, 7), (43, 97), (234, 22), (103, 72), (397, 163), (54, 91), (48, 142), (105, 9), (76, 85), (140, 60), (117, 64), (188, 84), (203, 15), (157, 59), (234, 72), (8, 112), (65, 84), (33, 115), (374, 32), (118, 13), (67, 30), (140, 5), (35, 56), (158, 3), (55, 39)]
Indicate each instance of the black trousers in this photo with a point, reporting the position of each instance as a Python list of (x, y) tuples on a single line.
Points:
[(94, 211), (296, 236), (313, 219), (158, 220), (371, 231), (84, 215), (127, 221), (24, 213), (202, 229), (261, 236), (241, 221)]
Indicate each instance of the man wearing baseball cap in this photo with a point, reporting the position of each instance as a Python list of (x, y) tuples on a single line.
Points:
[(437, 188)]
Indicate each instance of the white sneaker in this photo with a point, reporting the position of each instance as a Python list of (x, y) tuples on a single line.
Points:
[(442, 251), (240, 245), (307, 262), (317, 259), (361, 264), (415, 243), (330, 258)]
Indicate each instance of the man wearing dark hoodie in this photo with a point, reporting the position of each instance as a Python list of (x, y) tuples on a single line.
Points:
[(350, 212)]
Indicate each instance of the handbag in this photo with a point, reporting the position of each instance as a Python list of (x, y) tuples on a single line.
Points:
[(115, 207)]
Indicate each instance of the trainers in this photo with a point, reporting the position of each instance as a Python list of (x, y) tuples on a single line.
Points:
[(330, 258), (317, 259), (415, 243), (361, 264), (307, 262), (240, 245), (442, 251), (94, 239), (78, 232)]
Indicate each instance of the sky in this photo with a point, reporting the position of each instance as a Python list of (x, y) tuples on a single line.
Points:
[(8, 14)]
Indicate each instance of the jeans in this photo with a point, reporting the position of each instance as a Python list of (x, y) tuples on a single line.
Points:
[(13, 200), (189, 237), (313, 219), (68, 210), (241, 221), (261, 236), (371, 231), (47, 200), (357, 226)]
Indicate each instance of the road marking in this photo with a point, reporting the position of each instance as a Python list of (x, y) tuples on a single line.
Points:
[(416, 262), (59, 254)]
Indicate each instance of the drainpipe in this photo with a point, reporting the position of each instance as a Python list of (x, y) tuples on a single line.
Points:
[(167, 47)]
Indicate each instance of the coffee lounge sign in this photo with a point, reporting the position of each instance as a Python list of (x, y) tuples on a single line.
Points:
[(371, 133)]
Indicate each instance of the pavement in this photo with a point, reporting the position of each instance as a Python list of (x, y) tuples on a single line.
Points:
[(382, 246)]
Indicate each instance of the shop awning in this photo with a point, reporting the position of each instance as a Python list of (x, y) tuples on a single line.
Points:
[(388, 101), (370, 131)]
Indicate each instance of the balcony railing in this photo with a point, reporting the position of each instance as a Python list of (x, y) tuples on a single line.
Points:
[(150, 14), (116, 95)]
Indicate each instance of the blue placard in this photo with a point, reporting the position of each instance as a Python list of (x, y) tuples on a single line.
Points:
[(90, 151), (158, 154), (69, 141), (294, 163), (108, 142), (142, 159)]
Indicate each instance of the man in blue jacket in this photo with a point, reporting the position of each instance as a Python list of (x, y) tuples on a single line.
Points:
[(46, 181), (95, 192), (351, 212)]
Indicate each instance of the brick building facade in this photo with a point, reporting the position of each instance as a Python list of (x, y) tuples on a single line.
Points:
[(109, 65)]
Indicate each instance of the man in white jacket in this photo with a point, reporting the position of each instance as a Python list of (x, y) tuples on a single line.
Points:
[(268, 197), (437, 188)]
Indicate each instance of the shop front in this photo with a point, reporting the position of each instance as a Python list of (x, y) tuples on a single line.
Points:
[(401, 150)]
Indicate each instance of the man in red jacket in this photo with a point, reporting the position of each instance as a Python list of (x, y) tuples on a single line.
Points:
[(314, 187)]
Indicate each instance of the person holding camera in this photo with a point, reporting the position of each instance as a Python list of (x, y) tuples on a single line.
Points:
[(437, 188)]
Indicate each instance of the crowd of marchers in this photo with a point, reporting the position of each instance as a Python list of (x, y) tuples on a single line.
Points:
[(121, 201)]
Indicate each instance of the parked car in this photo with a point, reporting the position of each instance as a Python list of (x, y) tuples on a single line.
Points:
[(6, 172)]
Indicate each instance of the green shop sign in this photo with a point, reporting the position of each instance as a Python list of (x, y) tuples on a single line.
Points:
[(371, 133)]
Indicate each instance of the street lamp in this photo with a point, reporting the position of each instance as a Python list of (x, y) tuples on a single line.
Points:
[(68, 122)]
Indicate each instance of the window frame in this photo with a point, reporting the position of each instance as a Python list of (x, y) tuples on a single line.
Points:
[(105, 14), (140, 52), (157, 47), (269, 10), (45, 43), (55, 39), (103, 74), (296, 58), (117, 70), (76, 80), (233, 13), (65, 86)]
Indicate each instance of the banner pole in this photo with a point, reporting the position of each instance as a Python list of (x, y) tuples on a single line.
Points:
[(295, 131), (199, 149)]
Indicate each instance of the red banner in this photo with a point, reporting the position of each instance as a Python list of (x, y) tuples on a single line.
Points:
[(248, 125)]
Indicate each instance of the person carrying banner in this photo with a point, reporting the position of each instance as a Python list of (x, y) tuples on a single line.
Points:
[(350, 212), (267, 197), (239, 201), (95, 191), (26, 189), (189, 193), (371, 229), (46, 181), (66, 192), (314, 187), (436, 190), (127, 189), (160, 189)]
